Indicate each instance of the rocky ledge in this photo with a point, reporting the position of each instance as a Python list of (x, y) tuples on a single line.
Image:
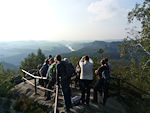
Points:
[(25, 89)]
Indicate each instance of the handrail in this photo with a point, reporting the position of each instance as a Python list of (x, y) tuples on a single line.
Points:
[(39, 87), (56, 100), (35, 77), (28, 81)]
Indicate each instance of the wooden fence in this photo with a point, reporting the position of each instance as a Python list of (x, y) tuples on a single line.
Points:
[(42, 88)]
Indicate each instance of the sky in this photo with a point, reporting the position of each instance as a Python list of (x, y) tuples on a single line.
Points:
[(64, 19)]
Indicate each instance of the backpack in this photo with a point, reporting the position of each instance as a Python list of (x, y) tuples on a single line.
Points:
[(75, 100), (69, 69), (106, 75)]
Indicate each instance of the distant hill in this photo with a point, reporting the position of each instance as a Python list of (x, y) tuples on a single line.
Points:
[(111, 49), (14, 52), (9, 66)]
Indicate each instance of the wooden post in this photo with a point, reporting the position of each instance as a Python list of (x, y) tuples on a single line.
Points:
[(56, 100), (35, 85)]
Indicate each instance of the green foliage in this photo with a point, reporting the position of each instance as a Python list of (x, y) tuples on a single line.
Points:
[(40, 57), (5, 84), (74, 60), (33, 60), (101, 52), (25, 105), (137, 46)]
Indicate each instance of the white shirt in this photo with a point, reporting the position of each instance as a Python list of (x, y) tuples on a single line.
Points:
[(86, 70)]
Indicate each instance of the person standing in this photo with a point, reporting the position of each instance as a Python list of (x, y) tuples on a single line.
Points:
[(78, 71), (64, 80), (86, 77), (51, 76), (43, 71), (102, 83)]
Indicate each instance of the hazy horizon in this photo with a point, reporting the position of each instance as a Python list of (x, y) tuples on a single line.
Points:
[(107, 40)]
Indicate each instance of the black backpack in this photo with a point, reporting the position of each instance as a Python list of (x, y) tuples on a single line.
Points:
[(106, 74), (70, 69)]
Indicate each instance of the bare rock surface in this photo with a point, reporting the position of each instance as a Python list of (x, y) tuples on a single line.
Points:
[(25, 89)]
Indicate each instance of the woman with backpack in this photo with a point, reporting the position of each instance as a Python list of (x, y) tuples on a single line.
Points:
[(101, 84)]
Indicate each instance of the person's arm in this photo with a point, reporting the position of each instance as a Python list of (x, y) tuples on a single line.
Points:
[(57, 74), (40, 72), (81, 61), (97, 72), (91, 61), (48, 73)]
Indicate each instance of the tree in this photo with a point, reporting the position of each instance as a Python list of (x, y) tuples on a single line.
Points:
[(5, 77), (101, 51), (33, 60), (137, 44), (29, 62), (40, 57)]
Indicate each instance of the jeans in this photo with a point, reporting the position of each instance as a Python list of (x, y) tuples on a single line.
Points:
[(85, 88), (67, 96), (49, 86), (101, 85)]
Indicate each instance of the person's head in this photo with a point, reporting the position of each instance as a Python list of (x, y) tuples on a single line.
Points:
[(102, 62), (51, 60), (86, 58), (66, 59), (106, 60), (58, 57), (50, 56), (55, 60)]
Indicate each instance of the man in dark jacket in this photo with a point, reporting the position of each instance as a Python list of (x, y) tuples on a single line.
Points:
[(64, 80)]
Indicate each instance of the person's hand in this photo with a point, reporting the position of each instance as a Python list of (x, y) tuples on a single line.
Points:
[(57, 86), (96, 72)]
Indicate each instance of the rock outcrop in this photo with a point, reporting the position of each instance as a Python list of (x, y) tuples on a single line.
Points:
[(25, 89)]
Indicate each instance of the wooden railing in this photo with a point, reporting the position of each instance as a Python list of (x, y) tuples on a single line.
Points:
[(56, 99), (35, 78), (118, 80), (42, 88)]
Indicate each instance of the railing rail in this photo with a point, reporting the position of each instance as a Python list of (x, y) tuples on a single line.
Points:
[(37, 77), (56, 100), (34, 84)]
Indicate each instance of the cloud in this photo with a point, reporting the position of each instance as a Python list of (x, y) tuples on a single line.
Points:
[(103, 9)]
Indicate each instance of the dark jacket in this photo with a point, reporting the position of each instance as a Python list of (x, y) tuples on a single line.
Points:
[(44, 70), (61, 74), (101, 69)]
